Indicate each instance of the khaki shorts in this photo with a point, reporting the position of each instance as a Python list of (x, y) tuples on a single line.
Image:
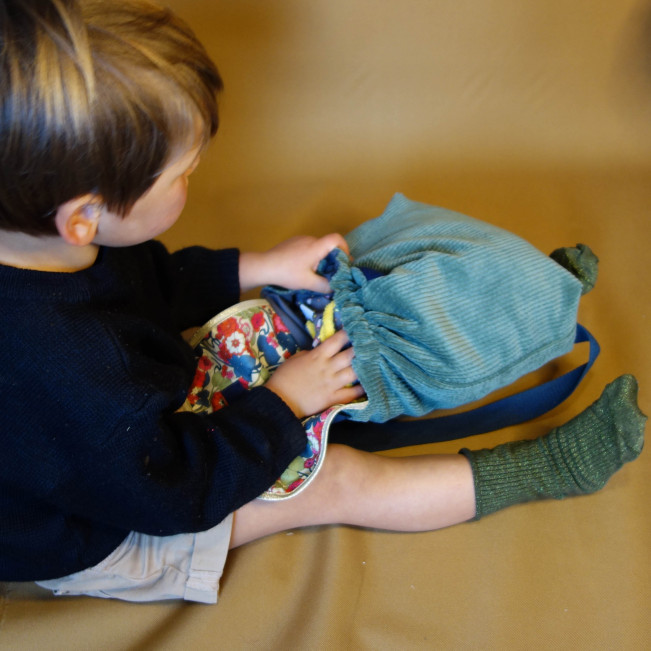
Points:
[(152, 568)]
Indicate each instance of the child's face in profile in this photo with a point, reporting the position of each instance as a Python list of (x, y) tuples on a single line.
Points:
[(156, 211)]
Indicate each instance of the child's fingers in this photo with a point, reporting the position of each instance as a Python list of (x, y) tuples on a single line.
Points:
[(314, 380), (348, 394), (333, 345), (331, 241), (346, 376), (342, 360), (316, 283)]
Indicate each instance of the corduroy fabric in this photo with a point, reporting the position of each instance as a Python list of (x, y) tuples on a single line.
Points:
[(462, 309)]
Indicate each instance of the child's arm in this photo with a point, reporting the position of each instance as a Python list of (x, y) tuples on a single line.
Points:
[(291, 264), (311, 381)]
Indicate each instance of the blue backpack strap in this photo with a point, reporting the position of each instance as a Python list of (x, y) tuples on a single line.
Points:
[(512, 410)]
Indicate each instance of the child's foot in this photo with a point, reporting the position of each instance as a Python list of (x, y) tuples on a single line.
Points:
[(580, 261), (575, 459)]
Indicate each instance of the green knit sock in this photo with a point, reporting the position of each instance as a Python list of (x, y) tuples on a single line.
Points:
[(575, 459), (581, 261)]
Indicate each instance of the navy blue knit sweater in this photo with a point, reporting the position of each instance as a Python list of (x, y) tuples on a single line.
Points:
[(93, 370)]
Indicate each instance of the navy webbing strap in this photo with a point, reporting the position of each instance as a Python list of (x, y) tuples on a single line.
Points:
[(512, 410)]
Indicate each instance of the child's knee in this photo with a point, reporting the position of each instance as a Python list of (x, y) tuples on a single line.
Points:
[(344, 468)]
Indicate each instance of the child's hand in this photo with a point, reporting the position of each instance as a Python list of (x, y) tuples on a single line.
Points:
[(291, 264), (314, 380)]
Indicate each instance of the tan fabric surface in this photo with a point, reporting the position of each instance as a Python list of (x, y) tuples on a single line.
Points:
[(533, 116)]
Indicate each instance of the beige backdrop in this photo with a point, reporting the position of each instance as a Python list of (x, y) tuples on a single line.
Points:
[(535, 116)]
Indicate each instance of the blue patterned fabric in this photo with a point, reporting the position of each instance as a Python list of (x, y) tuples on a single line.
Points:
[(459, 308)]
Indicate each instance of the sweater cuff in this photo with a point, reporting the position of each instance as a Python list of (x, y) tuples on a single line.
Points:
[(284, 430)]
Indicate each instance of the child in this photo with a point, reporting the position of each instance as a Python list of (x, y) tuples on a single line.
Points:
[(106, 107)]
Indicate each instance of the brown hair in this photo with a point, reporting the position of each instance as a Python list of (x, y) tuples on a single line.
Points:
[(96, 96)]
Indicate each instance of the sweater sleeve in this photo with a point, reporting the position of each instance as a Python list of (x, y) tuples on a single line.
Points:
[(198, 282), (181, 472), (106, 437)]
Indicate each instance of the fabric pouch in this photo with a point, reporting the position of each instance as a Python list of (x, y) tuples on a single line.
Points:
[(441, 308)]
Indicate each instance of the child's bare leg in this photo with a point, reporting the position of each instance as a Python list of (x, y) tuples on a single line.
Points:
[(430, 492), (359, 488)]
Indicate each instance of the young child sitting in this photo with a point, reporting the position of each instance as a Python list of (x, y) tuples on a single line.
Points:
[(106, 107)]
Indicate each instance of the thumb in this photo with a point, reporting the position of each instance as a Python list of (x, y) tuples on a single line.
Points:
[(319, 284), (333, 241)]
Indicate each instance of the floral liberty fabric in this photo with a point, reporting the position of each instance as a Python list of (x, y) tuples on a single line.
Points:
[(237, 351)]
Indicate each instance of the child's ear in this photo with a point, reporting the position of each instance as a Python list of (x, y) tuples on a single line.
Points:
[(77, 219)]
